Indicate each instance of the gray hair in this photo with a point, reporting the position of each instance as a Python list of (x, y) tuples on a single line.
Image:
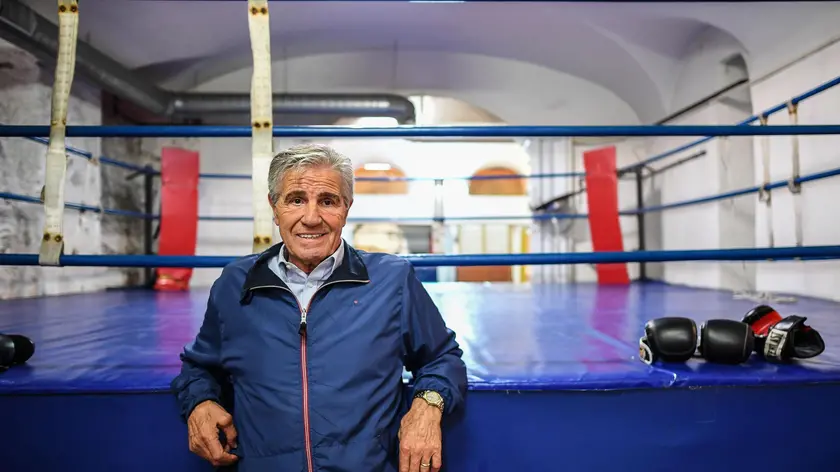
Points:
[(304, 156)]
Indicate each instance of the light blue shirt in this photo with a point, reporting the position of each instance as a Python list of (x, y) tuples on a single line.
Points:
[(305, 285)]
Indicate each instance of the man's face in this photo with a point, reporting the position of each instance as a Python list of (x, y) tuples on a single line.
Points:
[(310, 214)]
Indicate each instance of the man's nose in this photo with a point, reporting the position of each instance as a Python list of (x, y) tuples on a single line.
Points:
[(311, 215)]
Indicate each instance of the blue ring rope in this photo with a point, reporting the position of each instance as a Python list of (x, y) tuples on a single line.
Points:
[(190, 131), (437, 260), (89, 156), (736, 193), (79, 206)]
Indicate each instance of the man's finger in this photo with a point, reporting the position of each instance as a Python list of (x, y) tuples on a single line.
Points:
[(414, 462), (213, 447), (425, 463), (226, 424), (226, 459), (437, 461), (224, 421), (405, 458), (230, 435), (199, 447), (196, 447)]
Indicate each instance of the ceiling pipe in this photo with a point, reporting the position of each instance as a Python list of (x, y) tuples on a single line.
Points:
[(21, 26)]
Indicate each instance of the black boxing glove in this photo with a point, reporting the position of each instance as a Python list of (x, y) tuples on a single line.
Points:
[(726, 341), (669, 339), (760, 319), (14, 349), (791, 338)]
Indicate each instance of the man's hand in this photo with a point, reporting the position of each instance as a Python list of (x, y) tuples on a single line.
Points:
[(204, 424), (420, 438)]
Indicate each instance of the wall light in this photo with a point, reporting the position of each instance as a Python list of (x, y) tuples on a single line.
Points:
[(377, 166), (377, 122)]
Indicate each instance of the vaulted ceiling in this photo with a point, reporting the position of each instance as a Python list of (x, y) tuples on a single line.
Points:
[(631, 50)]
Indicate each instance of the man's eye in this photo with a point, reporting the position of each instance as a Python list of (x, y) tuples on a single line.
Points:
[(297, 201), (328, 202)]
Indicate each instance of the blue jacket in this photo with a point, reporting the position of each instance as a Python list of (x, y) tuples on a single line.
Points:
[(322, 391)]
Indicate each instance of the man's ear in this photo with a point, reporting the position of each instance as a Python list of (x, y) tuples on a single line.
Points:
[(273, 214)]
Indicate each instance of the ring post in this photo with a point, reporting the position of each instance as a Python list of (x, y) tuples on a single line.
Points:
[(148, 206), (438, 228)]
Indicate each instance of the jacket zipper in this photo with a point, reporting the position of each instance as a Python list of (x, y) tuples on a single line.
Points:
[(305, 383), (303, 369)]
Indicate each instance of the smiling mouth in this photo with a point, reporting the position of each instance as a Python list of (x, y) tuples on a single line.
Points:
[(311, 236)]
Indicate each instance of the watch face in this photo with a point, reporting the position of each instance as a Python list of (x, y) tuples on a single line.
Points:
[(433, 397)]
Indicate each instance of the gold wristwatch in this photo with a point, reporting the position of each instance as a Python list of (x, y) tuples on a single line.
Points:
[(432, 398)]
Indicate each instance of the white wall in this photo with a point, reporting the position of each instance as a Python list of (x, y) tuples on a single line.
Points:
[(734, 163), (25, 100), (25, 93), (722, 168), (820, 225)]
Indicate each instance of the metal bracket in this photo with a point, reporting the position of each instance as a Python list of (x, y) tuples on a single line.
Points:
[(764, 194)]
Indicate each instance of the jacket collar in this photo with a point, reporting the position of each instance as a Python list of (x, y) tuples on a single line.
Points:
[(351, 269)]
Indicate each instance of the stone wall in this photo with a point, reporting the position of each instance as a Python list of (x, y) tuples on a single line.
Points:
[(25, 94)]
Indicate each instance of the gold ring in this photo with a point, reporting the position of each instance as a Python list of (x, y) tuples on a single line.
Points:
[(425, 465)]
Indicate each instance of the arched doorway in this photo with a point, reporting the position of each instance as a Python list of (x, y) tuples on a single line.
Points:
[(497, 180), (380, 178), (491, 181)]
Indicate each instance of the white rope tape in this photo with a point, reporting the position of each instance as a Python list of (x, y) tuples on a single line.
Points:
[(794, 187), (52, 244), (764, 194), (261, 121)]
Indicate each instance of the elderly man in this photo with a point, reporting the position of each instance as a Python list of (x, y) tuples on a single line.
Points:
[(311, 338)]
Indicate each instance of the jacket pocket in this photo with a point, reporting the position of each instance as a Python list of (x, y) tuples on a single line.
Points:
[(292, 461), (388, 442), (369, 455), (268, 423)]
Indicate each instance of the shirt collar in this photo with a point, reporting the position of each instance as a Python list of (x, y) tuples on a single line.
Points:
[(330, 263)]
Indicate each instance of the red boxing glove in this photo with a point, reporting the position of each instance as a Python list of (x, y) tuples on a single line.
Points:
[(761, 319)]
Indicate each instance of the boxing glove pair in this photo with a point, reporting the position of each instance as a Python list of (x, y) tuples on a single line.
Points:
[(674, 339), (779, 339), (14, 350)]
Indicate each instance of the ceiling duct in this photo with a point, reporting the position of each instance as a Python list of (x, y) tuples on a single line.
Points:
[(21, 26)]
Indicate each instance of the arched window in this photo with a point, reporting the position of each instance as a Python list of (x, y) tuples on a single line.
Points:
[(497, 186), (381, 171)]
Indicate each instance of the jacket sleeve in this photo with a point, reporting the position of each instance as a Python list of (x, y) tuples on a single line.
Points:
[(201, 377), (432, 354)]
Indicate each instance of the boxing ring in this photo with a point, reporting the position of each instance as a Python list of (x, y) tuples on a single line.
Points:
[(555, 378), (559, 358)]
